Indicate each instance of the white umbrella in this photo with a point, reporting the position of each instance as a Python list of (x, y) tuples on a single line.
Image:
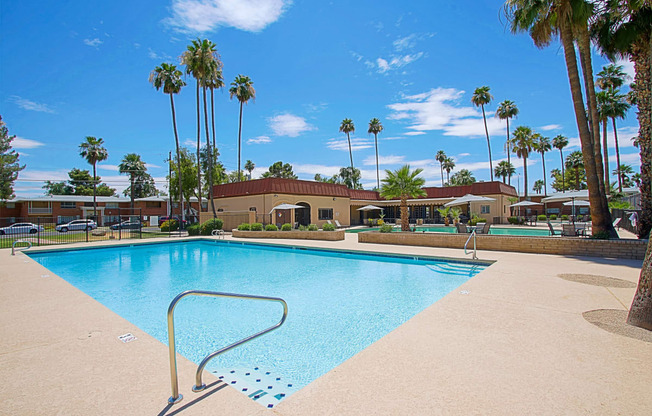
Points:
[(466, 199), (369, 208), (286, 206), (577, 203), (525, 204), (567, 196)]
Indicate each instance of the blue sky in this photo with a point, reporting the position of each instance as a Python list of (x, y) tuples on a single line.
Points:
[(75, 69)]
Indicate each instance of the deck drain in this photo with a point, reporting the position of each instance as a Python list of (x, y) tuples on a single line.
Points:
[(615, 321), (596, 280), (127, 338)]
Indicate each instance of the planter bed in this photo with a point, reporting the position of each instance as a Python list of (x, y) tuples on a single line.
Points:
[(292, 235)]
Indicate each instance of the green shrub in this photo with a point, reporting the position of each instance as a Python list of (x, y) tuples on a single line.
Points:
[(210, 225), (286, 227), (271, 227), (386, 228), (170, 225), (303, 228), (542, 217), (313, 227), (256, 226), (564, 217), (244, 227), (476, 220), (513, 220), (553, 216), (328, 227), (193, 229)]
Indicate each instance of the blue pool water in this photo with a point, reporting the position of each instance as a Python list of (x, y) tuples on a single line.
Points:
[(339, 303)]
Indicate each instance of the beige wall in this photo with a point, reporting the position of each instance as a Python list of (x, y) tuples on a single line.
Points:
[(265, 203)]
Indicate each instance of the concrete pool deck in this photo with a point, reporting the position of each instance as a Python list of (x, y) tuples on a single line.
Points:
[(511, 340)]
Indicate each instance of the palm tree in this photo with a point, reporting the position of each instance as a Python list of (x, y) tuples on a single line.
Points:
[(133, 166), (375, 127), (522, 146), (93, 151), (168, 77), (347, 127), (559, 142), (243, 89), (448, 165), (504, 169), (403, 184), (506, 110), (212, 80), (624, 171), (568, 19), (542, 145), (611, 77), (538, 186), (481, 97), (575, 161), (249, 167), (603, 103), (616, 107), (463, 177), (441, 157)]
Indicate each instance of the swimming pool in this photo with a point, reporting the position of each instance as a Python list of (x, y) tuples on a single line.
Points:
[(339, 302), (451, 229)]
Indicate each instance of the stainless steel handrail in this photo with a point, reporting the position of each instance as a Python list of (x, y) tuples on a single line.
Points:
[(199, 385), (475, 256), (13, 246)]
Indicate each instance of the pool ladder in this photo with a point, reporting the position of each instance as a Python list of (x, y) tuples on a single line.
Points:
[(13, 246), (475, 252), (199, 385)]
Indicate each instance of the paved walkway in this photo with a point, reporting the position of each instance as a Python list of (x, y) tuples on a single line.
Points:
[(510, 341)]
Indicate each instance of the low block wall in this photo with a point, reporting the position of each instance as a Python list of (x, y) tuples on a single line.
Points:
[(294, 235), (622, 249)]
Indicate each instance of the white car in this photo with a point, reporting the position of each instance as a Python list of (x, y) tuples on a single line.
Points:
[(76, 225), (22, 228)]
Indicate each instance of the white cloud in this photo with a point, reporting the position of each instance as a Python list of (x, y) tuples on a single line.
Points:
[(406, 42), (289, 125), (21, 143), (30, 105), (633, 159), (310, 169), (95, 42), (395, 62), (414, 133), (628, 68), (104, 166), (259, 140), (384, 160), (356, 144), (208, 15), (550, 127), (439, 109), (393, 138), (151, 166), (152, 54), (463, 155), (190, 143)]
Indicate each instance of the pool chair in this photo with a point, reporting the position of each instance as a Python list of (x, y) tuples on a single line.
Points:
[(337, 223), (483, 228), (616, 223), (461, 228), (552, 230), (329, 222), (568, 230)]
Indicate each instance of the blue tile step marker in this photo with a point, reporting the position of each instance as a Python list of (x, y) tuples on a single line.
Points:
[(259, 384)]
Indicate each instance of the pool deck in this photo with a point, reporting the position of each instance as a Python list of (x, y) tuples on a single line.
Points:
[(510, 341)]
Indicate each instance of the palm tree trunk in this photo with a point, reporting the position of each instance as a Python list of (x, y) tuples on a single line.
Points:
[(491, 167), (620, 178), (132, 194), (239, 140), (377, 174), (509, 177), (198, 146), (577, 178), (607, 185), (600, 216), (94, 194), (441, 168), (640, 313), (209, 153), (563, 177), (405, 220), (350, 151), (176, 140), (448, 176), (545, 186), (525, 175)]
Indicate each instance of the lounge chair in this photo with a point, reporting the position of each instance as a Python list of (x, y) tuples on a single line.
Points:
[(616, 223), (461, 228), (483, 228), (337, 223), (329, 222), (568, 230), (552, 230)]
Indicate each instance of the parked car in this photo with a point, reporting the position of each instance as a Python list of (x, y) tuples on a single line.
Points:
[(161, 220), (22, 228), (128, 225), (76, 225)]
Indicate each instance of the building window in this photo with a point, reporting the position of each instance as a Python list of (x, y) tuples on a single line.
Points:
[(11, 205), (325, 213), (68, 205), (252, 209), (485, 209), (111, 205), (153, 204), (90, 204), (220, 210)]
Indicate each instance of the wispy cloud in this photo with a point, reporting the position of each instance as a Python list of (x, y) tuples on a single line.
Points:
[(22, 143), (208, 15), (151, 166), (550, 127), (259, 140), (356, 144), (384, 160), (104, 166), (414, 133), (30, 105), (383, 65), (316, 108), (190, 143), (289, 125), (94, 43), (628, 68)]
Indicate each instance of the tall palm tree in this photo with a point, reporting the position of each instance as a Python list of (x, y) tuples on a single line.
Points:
[(522, 146), (603, 103), (133, 166), (542, 145), (168, 77), (348, 127), (403, 184), (212, 80), (243, 89), (507, 110), (559, 142), (504, 169), (616, 107), (481, 97), (448, 165), (575, 161), (538, 186), (375, 127), (249, 167), (94, 152), (568, 19), (611, 77), (440, 157)]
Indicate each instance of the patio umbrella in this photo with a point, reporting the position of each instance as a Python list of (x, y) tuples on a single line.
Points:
[(369, 208), (467, 199), (577, 203), (524, 204), (286, 206)]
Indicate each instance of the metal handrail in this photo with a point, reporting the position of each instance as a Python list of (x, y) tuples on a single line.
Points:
[(475, 256), (13, 246), (199, 385)]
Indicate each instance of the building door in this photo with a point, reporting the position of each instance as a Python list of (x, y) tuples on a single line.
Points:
[(302, 215)]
